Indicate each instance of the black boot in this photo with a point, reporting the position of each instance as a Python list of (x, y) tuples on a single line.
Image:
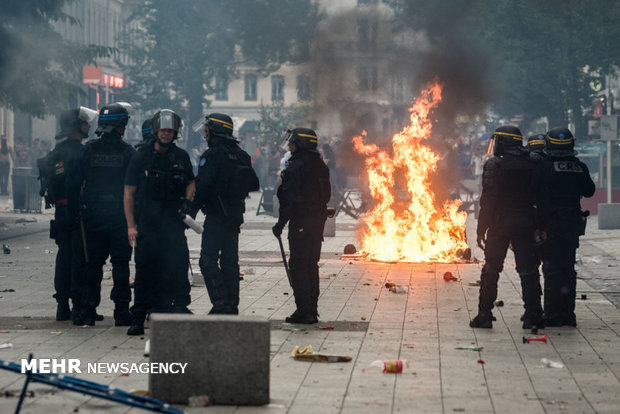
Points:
[(482, 320), (122, 317), (137, 326), (63, 312)]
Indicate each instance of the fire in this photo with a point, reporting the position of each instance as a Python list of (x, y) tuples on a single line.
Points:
[(413, 230)]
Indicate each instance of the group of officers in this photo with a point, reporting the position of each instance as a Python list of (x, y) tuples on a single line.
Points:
[(111, 198), (530, 201)]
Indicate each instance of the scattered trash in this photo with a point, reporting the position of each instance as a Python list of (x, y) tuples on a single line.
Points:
[(147, 348), (350, 249), (410, 346), (49, 252), (363, 318), (584, 296), (551, 364), (55, 332), (297, 351), (292, 328), (326, 327), (449, 277), (541, 338), (8, 290), (398, 289), (125, 374), (499, 303), (6, 249), (25, 220), (241, 276), (6, 345), (476, 283), (198, 401), (285, 293), (390, 285), (470, 348), (324, 275), (456, 309), (389, 366), (322, 358), (481, 362), (366, 284)]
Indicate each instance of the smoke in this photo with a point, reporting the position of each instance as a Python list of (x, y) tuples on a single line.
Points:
[(369, 64)]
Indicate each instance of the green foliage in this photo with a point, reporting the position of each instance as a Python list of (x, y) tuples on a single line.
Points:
[(275, 120), (179, 48), (541, 54), (39, 70)]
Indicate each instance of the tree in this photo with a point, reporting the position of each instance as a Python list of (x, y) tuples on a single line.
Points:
[(275, 119), (179, 48), (37, 66), (541, 56)]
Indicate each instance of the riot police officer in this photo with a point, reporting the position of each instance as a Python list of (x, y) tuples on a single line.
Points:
[(147, 133), (536, 145), (565, 181), (104, 165), (510, 192), (225, 177), (59, 172), (158, 184), (303, 196)]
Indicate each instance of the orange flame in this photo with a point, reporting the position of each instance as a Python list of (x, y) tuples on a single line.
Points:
[(415, 232)]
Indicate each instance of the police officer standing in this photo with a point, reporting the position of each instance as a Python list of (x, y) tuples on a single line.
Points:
[(225, 177), (158, 184), (303, 197), (510, 192), (565, 181), (104, 165), (61, 187)]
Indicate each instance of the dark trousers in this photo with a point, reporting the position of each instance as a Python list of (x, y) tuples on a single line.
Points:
[(5, 168), (305, 235), (560, 278), (69, 270), (522, 239), (103, 242), (162, 263), (219, 262)]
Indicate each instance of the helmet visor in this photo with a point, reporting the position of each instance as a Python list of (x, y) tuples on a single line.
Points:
[(286, 139), (168, 120), (86, 114)]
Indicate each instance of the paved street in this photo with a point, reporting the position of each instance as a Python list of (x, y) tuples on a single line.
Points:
[(423, 326)]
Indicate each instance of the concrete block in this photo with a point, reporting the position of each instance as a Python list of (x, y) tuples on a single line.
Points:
[(227, 358), (609, 216), (330, 227)]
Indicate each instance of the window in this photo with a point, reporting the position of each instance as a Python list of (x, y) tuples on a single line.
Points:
[(221, 88), (277, 88), (250, 87), (303, 87), (367, 78)]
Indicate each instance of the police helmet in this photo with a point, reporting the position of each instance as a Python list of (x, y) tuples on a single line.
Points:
[(113, 116), (536, 143), (560, 142), (505, 136), (72, 119), (220, 125), (147, 130), (166, 119), (303, 138)]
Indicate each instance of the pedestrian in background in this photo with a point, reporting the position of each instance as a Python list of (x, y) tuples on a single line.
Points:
[(6, 156), (158, 185), (225, 177), (303, 197), (565, 181)]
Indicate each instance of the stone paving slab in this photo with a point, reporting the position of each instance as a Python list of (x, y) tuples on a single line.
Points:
[(422, 326)]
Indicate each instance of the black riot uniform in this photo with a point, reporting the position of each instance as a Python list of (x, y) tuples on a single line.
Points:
[(60, 184), (510, 192), (104, 165), (303, 196), (565, 181), (225, 177), (160, 175)]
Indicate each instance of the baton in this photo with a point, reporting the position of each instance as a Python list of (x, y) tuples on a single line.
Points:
[(83, 234), (288, 275)]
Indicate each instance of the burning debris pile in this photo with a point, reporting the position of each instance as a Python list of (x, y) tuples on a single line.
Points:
[(405, 224)]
